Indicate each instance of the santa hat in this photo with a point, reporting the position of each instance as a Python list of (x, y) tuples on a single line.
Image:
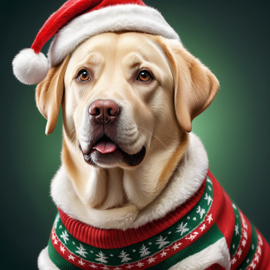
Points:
[(78, 20)]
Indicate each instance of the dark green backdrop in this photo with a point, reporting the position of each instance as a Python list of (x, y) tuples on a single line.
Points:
[(230, 37)]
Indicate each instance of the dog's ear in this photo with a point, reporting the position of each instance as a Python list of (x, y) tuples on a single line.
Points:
[(49, 94), (195, 85)]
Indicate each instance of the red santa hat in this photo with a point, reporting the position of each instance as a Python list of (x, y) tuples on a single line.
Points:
[(76, 21)]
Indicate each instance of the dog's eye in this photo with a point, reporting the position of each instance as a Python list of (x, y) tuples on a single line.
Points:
[(144, 76), (83, 76)]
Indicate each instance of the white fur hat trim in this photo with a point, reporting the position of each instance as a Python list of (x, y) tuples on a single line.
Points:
[(109, 19)]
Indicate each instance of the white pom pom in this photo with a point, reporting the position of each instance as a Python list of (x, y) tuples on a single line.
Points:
[(29, 67)]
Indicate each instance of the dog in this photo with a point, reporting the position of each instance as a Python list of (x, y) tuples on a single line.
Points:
[(132, 172)]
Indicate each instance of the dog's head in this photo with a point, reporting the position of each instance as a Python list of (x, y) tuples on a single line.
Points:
[(128, 101)]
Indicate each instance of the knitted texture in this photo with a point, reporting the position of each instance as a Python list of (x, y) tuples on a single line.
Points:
[(215, 267), (199, 223)]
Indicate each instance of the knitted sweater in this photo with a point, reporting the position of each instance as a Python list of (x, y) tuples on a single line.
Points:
[(197, 224)]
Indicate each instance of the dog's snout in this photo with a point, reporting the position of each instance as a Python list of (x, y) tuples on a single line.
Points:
[(103, 111)]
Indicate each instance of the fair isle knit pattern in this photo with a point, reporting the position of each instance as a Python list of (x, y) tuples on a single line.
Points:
[(198, 225), (247, 244)]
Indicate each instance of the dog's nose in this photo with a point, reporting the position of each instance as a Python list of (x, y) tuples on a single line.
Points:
[(103, 111)]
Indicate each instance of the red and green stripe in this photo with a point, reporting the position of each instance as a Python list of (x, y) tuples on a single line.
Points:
[(175, 238), (209, 238), (237, 232), (252, 250)]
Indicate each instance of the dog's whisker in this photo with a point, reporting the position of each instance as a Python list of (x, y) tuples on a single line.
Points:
[(72, 131), (153, 136), (73, 134), (148, 144), (74, 138)]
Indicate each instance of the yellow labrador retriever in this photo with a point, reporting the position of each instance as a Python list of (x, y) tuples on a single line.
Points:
[(128, 159), (128, 101)]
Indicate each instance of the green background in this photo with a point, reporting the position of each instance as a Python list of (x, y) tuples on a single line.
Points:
[(230, 37)]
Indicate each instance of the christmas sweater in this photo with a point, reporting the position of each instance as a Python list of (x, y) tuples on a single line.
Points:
[(205, 218)]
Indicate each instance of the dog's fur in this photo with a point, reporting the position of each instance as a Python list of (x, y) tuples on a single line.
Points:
[(156, 114)]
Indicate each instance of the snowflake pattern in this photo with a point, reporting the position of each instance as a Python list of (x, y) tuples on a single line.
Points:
[(208, 198), (209, 218), (203, 227), (239, 253), (129, 266), (101, 257), (245, 234), (144, 251), (62, 249), (176, 246), (151, 260), (233, 261), (244, 222), (81, 251), (93, 266), (140, 264), (65, 236), (192, 236), (81, 262), (259, 250), (71, 257), (182, 228), (163, 254), (124, 256), (200, 211), (236, 229), (161, 241), (256, 258)]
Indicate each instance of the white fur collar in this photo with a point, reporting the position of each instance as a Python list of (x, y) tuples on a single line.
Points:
[(185, 182)]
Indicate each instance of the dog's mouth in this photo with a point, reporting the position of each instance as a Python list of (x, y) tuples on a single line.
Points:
[(107, 153)]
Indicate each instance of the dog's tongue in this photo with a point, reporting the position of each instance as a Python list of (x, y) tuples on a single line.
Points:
[(105, 147)]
